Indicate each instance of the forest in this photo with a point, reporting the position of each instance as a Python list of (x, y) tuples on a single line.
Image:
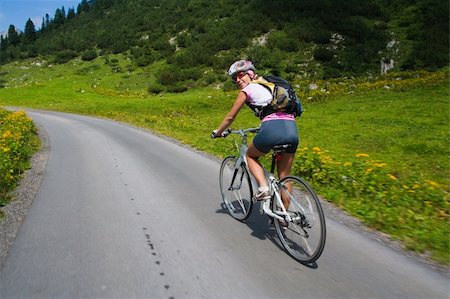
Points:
[(294, 38)]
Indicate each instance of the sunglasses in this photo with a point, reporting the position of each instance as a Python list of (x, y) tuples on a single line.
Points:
[(238, 76)]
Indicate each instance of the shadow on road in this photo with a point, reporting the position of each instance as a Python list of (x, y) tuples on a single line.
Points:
[(262, 228)]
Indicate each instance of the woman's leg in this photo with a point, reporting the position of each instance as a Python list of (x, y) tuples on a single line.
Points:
[(284, 166), (254, 166)]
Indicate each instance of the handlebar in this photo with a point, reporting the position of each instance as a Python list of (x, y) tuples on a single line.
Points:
[(242, 132)]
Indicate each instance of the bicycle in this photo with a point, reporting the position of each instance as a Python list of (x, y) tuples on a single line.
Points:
[(301, 227)]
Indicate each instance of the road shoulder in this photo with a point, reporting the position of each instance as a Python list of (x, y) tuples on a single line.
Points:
[(16, 210)]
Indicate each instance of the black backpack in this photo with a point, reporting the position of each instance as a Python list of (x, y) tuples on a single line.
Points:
[(284, 98)]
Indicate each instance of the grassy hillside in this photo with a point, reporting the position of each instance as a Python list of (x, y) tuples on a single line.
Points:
[(297, 39), (376, 147), (402, 115)]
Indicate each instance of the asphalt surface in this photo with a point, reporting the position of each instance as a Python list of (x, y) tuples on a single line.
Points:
[(122, 213)]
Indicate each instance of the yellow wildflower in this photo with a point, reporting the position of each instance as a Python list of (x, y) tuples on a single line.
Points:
[(442, 214), (362, 155), (433, 184), (6, 134), (19, 114), (392, 177), (317, 149), (379, 164)]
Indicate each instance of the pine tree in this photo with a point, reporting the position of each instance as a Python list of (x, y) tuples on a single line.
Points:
[(59, 17), (47, 20), (83, 7), (13, 36), (3, 43), (30, 32), (70, 13), (43, 25)]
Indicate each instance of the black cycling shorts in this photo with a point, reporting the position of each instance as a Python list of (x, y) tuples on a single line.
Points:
[(277, 132)]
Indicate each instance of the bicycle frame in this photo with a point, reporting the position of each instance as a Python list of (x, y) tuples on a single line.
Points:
[(272, 181), (242, 151), (276, 195)]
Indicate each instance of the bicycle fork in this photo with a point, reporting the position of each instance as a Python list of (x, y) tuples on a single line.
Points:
[(237, 166), (232, 188)]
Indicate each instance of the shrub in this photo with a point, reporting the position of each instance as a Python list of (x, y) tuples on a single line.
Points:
[(177, 88), (331, 72), (321, 36), (87, 69), (89, 55), (280, 40), (323, 54), (172, 76), (64, 56), (144, 60), (116, 69), (209, 78), (229, 86), (155, 88), (166, 76)]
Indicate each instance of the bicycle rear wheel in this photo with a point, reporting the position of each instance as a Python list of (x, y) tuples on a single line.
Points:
[(236, 188), (304, 237)]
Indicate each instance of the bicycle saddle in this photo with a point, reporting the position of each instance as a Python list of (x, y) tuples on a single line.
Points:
[(281, 147)]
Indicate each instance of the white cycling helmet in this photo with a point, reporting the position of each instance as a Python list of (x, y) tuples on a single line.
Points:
[(240, 66)]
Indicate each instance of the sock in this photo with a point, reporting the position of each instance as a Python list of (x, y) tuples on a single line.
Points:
[(263, 188)]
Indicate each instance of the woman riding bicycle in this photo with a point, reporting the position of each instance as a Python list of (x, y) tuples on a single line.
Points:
[(276, 128)]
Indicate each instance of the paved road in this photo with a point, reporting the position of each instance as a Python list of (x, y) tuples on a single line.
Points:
[(122, 213)]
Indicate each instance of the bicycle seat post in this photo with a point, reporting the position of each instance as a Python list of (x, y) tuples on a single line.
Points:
[(274, 159), (277, 150)]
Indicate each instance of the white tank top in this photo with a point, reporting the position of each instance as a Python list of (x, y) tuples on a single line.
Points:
[(257, 94)]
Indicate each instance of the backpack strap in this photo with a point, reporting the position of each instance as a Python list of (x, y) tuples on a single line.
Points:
[(268, 85)]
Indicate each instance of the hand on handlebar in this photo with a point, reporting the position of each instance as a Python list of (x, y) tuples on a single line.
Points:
[(224, 134)]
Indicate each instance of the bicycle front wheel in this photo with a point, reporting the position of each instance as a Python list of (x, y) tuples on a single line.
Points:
[(236, 188), (304, 236)]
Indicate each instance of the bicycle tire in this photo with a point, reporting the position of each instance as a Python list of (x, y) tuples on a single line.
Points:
[(237, 198), (304, 238)]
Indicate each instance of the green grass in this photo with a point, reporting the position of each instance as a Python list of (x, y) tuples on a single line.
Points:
[(406, 128)]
